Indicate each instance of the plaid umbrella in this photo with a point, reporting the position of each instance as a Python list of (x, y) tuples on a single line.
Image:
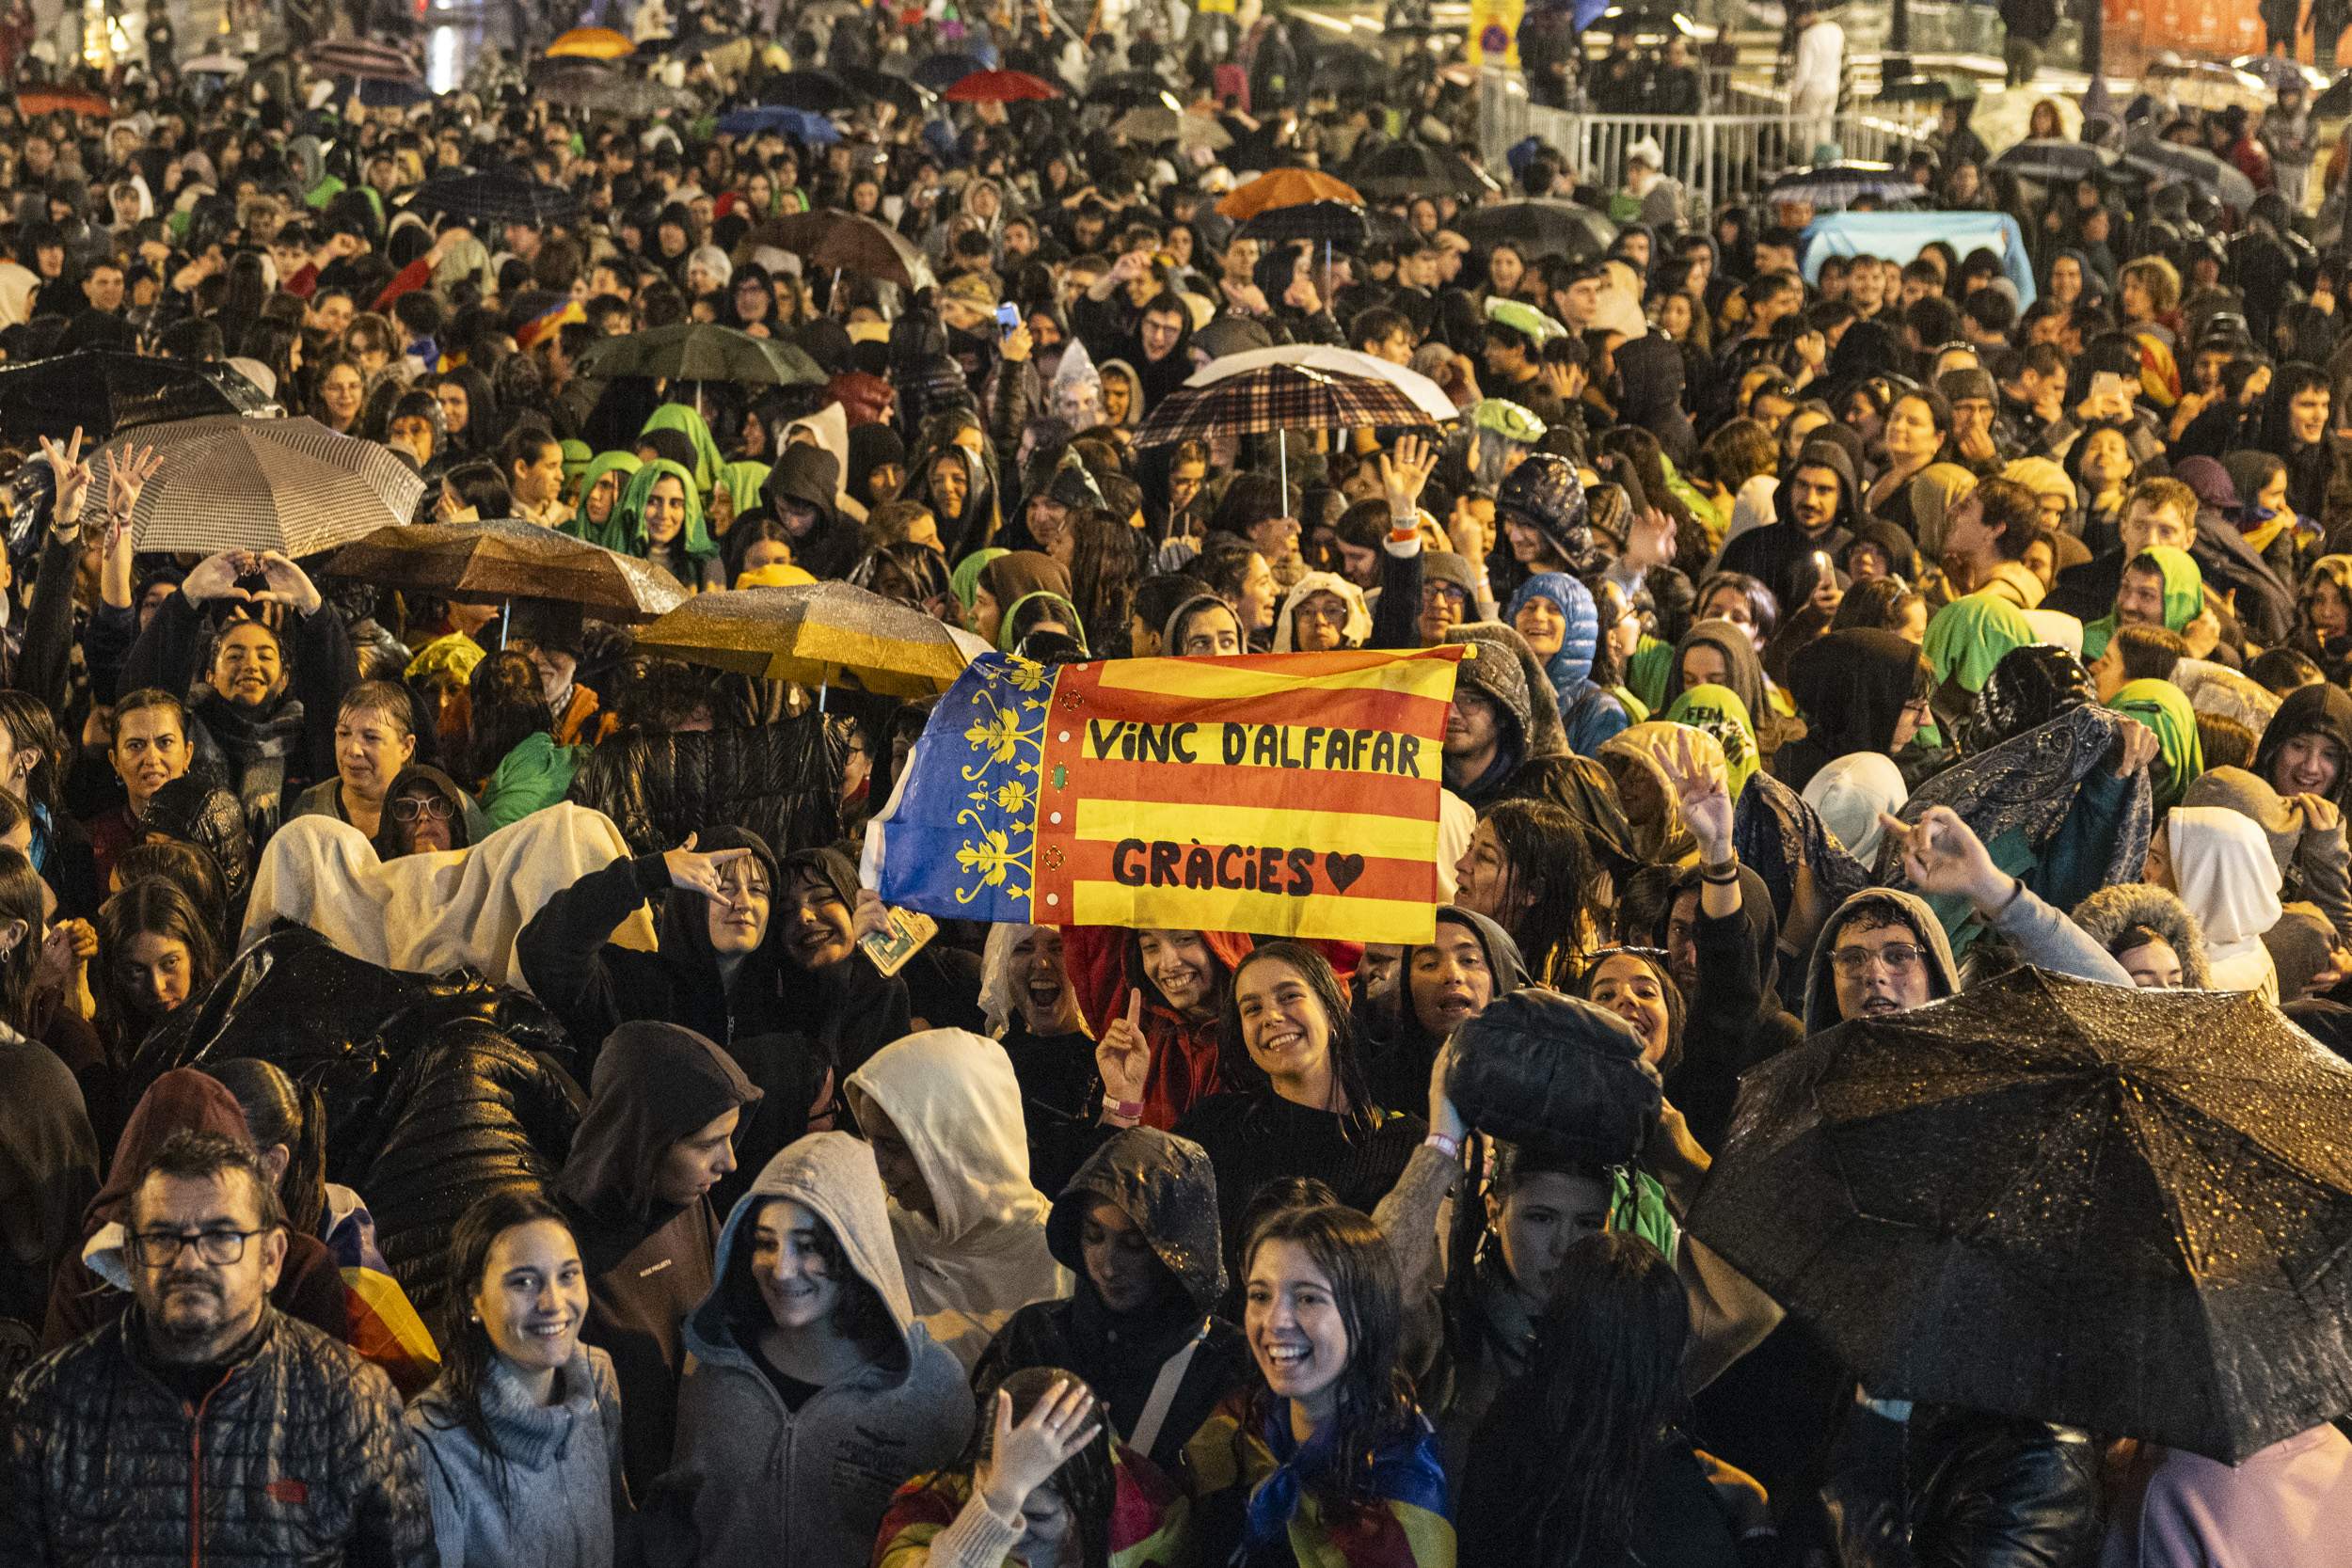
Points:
[(509, 559), (591, 43), (818, 634), (1428, 396), (835, 240), (1157, 122), (364, 58), (819, 92), (231, 482), (702, 351), (1284, 393), (1405, 169), (1001, 86), (910, 97), (1285, 187), (104, 393), (498, 198)]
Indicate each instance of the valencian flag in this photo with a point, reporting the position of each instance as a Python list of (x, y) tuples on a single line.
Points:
[(1287, 795)]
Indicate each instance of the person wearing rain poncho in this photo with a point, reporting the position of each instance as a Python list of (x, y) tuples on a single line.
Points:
[(2220, 862), (661, 518), (601, 486), (1504, 433), (2160, 586), (682, 417), (942, 1110), (1555, 613), (2160, 706), (1965, 640), (1322, 611), (815, 1391)]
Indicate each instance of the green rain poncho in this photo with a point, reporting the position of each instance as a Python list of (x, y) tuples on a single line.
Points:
[(1718, 711), (2165, 708), (1971, 635), (743, 482), (628, 516), (2184, 597), (681, 416), (608, 534)]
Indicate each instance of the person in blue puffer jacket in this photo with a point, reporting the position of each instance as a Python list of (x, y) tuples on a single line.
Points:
[(1555, 613)]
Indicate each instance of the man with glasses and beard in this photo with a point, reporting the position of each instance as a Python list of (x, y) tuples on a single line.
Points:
[(203, 1422)]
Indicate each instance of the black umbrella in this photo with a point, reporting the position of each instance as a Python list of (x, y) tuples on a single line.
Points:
[(1340, 224), (941, 71), (701, 351), (579, 84), (2171, 163), (2120, 1209), (1405, 169), (1539, 226), (105, 393), (2053, 161), (1129, 90), (499, 196), (910, 97), (1347, 68), (1834, 185), (818, 91)]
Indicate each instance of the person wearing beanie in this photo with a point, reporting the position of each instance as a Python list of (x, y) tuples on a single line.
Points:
[(1815, 510), (1976, 443)]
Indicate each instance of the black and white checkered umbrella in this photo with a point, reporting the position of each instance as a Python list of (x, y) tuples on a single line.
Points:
[(291, 485)]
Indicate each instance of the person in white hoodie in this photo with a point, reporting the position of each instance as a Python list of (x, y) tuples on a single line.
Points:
[(2220, 864), (943, 1111), (815, 1394)]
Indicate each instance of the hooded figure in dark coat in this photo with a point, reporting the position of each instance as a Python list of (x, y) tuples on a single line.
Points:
[(2307, 746), (1851, 688), (1650, 376), (1777, 554)]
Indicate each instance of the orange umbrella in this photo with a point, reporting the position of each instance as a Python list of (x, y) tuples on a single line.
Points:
[(1000, 86), (591, 43), (44, 101), (1285, 188)]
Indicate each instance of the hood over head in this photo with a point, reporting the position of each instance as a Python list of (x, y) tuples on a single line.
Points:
[(1755, 904), (181, 1100), (2323, 710), (1900, 907), (833, 1176), (2227, 877), (1506, 670), (2118, 907), (1571, 667), (1717, 710), (2030, 687), (1970, 636), (2164, 709), (1167, 1188), (440, 784), (1849, 792), (684, 927), (953, 1098), (654, 1083), (1853, 685), (1353, 635), (1820, 454), (1744, 667), (1017, 574)]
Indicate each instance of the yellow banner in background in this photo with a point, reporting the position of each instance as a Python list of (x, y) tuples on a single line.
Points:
[(1494, 32)]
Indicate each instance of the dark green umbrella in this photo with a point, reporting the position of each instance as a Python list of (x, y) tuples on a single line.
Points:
[(699, 351)]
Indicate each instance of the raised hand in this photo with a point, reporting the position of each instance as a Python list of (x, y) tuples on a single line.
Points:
[(215, 578), (288, 584), (697, 873), (126, 481), (2137, 748), (73, 479), (1942, 854), (1704, 801), (1023, 1458), (1404, 476), (1123, 1055)]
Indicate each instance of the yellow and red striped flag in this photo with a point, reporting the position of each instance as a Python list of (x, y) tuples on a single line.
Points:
[(1284, 794)]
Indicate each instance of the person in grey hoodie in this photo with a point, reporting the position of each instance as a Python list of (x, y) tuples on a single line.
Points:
[(814, 1393)]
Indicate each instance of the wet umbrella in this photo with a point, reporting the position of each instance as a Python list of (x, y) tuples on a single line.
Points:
[(1347, 68), (231, 482), (694, 44), (819, 92), (583, 84), (104, 393), (1129, 90), (1331, 223), (495, 199), (216, 65), (1157, 122), (834, 241), (1839, 185), (1285, 187), (1540, 227), (363, 58), (819, 634), (2054, 162), (507, 558), (71, 101), (2120, 1209), (2275, 71), (910, 97), (701, 351), (1001, 86), (1295, 386), (591, 43), (2211, 86), (2168, 164), (813, 129), (941, 71), (1405, 169)]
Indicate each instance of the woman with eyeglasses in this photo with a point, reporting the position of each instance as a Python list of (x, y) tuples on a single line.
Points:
[(425, 813)]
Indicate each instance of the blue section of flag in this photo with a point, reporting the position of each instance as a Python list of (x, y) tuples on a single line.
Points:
[(962, 843)]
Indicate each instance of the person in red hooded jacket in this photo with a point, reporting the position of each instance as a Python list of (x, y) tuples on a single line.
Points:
[(1170, 988)]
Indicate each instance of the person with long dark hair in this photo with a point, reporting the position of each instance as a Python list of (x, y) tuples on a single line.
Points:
[(519, 1439), (1582, 1463), (155, 951), (1297, 1100), (1035, 1489), (1529, 871)]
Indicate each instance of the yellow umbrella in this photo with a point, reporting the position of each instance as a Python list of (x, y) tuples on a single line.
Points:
[(818, 634), (591, 43)]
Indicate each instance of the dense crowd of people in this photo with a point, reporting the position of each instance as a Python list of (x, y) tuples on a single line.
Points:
[(1849, 631)]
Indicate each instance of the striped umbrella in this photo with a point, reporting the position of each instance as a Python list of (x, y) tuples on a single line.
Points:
[(293, 486), (364, 58), (819, 634)]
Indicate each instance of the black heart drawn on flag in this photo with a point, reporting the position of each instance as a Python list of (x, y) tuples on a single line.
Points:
[(1342, 869)]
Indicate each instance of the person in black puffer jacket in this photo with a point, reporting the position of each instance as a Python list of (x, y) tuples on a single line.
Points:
[(1985, 1491)]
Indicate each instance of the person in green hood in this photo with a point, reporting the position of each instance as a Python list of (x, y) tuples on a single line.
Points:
[(1718, 711), (2161, 586), (659, 518), (601, 485), (1965, 640), (681, 416), (2165, 709)]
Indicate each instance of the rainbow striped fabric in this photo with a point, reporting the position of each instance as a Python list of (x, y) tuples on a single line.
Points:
[(1286, 795)]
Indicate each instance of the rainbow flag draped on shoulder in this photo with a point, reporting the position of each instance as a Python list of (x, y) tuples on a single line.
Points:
[(1286, 795)]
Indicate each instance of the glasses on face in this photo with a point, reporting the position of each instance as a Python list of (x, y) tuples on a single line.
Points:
[(1327, 612), (1899, 957), (1439, 594), (416, 808), (159, 1248)]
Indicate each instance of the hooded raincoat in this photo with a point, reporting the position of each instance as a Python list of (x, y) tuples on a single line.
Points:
[(1589, 714), (647, 1258), (1851, 688), (2110, 912), (979, 1254), (2184, 597), (756, 1483), (606, 533), (2312, 710), (2226, 877), (693, 555)]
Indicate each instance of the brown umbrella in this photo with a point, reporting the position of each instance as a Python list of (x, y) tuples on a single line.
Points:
[(510, 559), (818, 634), (834, 241)]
